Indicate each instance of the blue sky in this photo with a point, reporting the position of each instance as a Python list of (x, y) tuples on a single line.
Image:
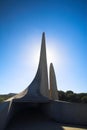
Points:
[(21, 25)]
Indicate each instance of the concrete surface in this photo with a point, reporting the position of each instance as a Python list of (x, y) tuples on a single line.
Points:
[(53, 84), (33, 118), (65, 112)]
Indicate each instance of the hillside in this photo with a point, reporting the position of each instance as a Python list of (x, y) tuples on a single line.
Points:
[(6, 96)]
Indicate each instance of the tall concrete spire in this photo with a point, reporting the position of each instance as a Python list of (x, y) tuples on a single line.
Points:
[(53, 84), (43, 68), (39, 86)]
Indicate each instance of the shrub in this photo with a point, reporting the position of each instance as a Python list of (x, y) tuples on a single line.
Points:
[(84, 99)]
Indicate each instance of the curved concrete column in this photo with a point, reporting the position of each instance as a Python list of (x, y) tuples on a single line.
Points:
[(38, 89)]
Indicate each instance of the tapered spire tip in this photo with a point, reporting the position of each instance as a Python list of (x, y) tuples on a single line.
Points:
[(43, 34)]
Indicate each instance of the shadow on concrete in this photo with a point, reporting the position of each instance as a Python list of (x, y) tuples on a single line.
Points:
[(31, 118)]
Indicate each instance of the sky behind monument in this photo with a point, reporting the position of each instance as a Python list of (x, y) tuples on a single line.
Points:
[(21, 25)]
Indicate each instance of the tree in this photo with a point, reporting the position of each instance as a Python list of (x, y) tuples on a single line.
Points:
[(84, 99), (62, 95)]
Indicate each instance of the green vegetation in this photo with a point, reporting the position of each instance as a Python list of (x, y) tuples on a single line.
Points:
[(70, 96), (6, 96)]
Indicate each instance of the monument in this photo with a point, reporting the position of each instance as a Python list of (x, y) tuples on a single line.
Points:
[(37, 92), (43, 95)]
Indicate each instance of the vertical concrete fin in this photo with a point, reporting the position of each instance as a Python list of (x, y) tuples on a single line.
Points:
[(53, 84), (43, 69)]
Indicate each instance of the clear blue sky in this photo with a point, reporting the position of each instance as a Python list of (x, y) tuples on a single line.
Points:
[(21, 25)]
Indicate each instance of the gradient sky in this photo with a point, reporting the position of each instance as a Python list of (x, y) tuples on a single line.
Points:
[(21, 25)]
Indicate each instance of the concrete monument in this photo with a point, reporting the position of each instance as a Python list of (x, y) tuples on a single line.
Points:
[(38, 97)]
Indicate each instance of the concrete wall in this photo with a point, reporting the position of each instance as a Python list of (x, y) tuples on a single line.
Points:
[(4, 106), (64, 112)]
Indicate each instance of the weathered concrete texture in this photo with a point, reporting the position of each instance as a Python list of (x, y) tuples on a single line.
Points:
[(53, 84), (67, 113)]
